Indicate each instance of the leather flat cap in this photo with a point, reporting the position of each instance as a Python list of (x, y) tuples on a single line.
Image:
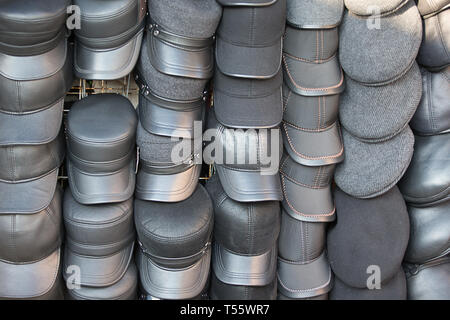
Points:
[(394, 289), (366, 7), (246, 3), (27, 238), (28, 175), (249, 40), (248, 103), (175, 235), (125, 289), (101, 133), (181, 45), (362, 50), (297, 280), (376, 114), (162, 176), (40, 280), (107, 46), (281, 296), (222, 291), (247, 161), (433, 114), (300, 241), (434, 51), (311, 132), (368, 232), (430, 7), (428, 178), (248, 228), (429, 281), (164, 85), (371, 169), (173, 283), (307, 191), (430, 233), (316, 14)]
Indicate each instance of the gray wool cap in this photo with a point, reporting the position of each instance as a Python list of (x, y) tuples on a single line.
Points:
[(314, 14), (381, 54), (378, 113), (371, 169), (374, 7)]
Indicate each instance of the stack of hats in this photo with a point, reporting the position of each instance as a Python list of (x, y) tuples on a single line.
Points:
[(35, 73), (426, 184), (383, 89), (108, 42), (98, 206), (173, 213), (313, 80), (246, 117)]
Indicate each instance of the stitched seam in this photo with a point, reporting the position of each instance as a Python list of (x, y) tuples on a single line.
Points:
[(318, 61), (299, 183), (319, 120), (309, 130), (287, 100), (305, 290)]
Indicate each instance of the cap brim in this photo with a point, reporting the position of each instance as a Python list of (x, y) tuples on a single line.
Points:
[(313, 148), (304, 280), (101, 64), (307, 204), (28, 197), (197, 63), (173, 284), (316, 14), (98, 271), (247, 62), (246, 3), (39, 280), (328, 76), (263, 112), (244, 270), (89, 188), (245, 186), (33, 128), (169, 187)]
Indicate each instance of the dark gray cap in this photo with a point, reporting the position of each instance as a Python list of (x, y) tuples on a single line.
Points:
[(434, 51), (249, 40), (428, 178), (433, 114), (368, 232), (248, 103), (363, 50), (375, 114), (315, 14), (307, 191), (430, 7), (374, 7), (371, 169), (246, 3)]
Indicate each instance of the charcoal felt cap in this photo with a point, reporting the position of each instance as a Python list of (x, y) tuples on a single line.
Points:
[(316, 14), (394, 289), (248, 103), (371, 169), (249, 40), (368, 232), (378, 113), (428, 178), (362, 50), (433, 114), (366, 7)]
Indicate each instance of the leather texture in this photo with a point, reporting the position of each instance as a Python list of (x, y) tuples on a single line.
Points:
[(430, 233), (427, 179), (321, 297), (433, 114), (431, 7), (315, 14)]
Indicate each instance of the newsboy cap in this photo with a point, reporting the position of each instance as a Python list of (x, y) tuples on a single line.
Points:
[(315, 14), (374, 7)]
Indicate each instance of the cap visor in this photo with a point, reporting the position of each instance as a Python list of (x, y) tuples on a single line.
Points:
[(99, 271), (33, 128), (328, 76), (28, 197), (173, 284), (101, 64), (264, 112), (197, 63), (313, 148), (244, 270), (248, 62), (315, 14), (247, 186), (169, 187), (244, 3), (89, 188), (27, 281)]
